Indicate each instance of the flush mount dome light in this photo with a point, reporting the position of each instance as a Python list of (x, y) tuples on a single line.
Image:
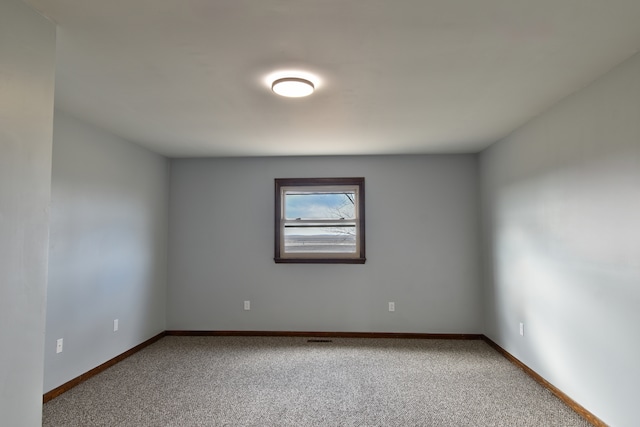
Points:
[(292, 87)]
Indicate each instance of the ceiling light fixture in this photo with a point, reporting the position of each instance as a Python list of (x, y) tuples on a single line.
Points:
[(292, 87)]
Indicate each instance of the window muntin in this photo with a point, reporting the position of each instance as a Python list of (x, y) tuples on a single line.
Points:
[(320, 220)]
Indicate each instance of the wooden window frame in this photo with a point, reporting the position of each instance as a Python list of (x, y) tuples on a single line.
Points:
[(325, 258)]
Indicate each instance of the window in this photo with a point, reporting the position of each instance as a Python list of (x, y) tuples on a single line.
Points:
[(319, 220)]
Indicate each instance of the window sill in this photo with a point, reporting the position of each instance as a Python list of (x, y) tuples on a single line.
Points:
[(320, 260)]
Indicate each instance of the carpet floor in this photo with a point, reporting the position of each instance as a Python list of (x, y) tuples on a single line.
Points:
[(269, 381)]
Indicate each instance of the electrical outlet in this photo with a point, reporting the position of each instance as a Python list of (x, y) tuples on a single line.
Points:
[(247, 305), (115, 325), (392, 306), (59, 345), (521, 328)]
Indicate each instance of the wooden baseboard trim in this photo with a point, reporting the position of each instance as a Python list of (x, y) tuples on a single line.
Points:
[(546, 384), (77, 380), (401, 335)]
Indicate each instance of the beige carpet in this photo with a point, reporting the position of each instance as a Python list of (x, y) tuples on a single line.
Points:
[(233, 381)]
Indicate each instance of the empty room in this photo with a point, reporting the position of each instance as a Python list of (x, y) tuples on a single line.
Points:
[(319, 213)]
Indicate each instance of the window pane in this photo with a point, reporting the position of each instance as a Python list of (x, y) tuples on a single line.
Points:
[(319, 205), (320, 239)]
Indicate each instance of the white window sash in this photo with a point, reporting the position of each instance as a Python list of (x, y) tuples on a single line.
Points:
[(337, 222)]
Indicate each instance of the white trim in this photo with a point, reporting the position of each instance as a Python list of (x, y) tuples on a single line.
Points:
[(315, 189)]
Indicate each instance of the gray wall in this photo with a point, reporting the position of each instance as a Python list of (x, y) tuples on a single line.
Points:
[(561, 211), (422, 245), (27, 60), (107, 255)]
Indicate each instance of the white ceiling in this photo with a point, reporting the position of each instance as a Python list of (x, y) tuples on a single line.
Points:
[(186, 78)]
